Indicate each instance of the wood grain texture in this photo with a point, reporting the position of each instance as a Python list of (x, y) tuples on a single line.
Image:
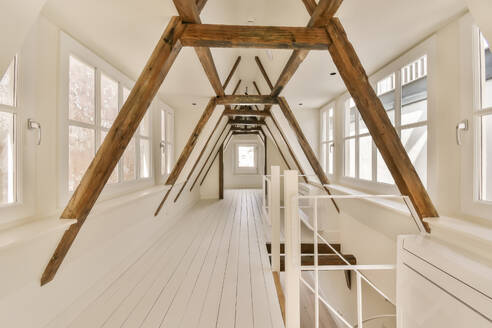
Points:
[(117, 139), (236, 88), (310, 6), (246, 100), (264, 73), (243, 121), (245, 36), (377, 121), (246, 113), (233, 70)]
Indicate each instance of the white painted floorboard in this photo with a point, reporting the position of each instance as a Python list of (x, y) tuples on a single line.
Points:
[(210, 269)]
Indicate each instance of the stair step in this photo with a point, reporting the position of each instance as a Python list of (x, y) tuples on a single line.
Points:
[(307, 248), (322, 260)]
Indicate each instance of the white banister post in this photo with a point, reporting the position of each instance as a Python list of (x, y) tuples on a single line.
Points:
[(292, 251), (275, 216), (359, 301)]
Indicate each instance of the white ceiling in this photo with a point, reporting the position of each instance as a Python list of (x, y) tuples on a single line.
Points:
[(124, 32)]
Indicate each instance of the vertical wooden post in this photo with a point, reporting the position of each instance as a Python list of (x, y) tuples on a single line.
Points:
[(221, 172), (292, 251), (274, 212)]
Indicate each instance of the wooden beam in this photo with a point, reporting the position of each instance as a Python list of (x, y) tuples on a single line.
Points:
[(187, 150), (256, 87), (221, 172), (320, 17), (248, 36), (264, 73), (233, 70), (377, 122), (237, 133), (246, 113), (117, 139), (208, 157), (246, 100), (200, 156), (236, 88), (310, 5), (245, 130), (243, 121), (306, 147), (279, 150)]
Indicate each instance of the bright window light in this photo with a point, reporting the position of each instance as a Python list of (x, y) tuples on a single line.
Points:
[(246, 156)]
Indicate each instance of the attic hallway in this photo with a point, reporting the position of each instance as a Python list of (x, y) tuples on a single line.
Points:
[(209, 270)]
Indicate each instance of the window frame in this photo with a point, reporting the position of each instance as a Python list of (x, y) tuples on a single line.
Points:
[(327, 145), (246, 170), (471, 105), (427, 47), (70, 47), (165, 143)]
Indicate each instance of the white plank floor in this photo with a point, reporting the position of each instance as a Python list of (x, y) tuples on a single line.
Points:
[(210, 270)]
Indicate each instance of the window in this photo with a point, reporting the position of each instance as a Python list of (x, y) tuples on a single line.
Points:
[(327, 140), (166, 144), (484, 114), (246, 159), (95, 92), (8, 161), (404, 97)]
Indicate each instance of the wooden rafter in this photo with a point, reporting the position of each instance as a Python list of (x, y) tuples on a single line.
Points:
[(310, 5), (233, 70), (243, 121), (246, 100), (118, 137), (187, 150), (377, 121), (264, 73), (246, 113), (239, 36)]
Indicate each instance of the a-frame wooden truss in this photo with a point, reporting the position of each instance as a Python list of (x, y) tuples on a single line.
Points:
[(323, 32)]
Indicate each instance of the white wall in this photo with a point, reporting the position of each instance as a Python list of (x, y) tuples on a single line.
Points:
[(235, 180)]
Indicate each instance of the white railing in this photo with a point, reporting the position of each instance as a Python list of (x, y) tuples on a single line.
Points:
[(292, 235)]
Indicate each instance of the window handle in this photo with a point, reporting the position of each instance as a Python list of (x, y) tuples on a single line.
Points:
[(461, 126), (332, 147), (34, 125), (162, 144)]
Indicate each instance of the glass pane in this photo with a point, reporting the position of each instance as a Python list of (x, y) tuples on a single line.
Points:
[(163, 159), (350, 121), (144, 158), (169, 127), (324, 126), (487, 73), (246, 156), (350, 158), (365, 158), (145, 125), (330, 124), (386, 93), (330, 157), (169, 157), (415, 142), (486, 178), (383, 173), (414, 93), (81, 92), (386, 85), (163, 125), (109, 101), (324, 156), (130, 162), (7, 158), (114, 176), (81, 149), (7, 86)]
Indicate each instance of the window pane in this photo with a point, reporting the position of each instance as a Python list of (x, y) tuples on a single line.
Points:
[(330, 124), (114, 176), (246, 156), (163, 125), (350, 121), (109, 101), (169, 157), (487, 72), (383, 173), (145, 125), (330, 157), (350, 158), (324, 126), (81, 149), (324, 157), (486, 178), (7, 158), (144, 158), (7, 86), (414, 93), (130, 162), (415, 142), (169, 127), (365, 158), (81, 92)]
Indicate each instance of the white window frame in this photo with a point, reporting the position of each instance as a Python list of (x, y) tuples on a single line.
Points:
[(427, 47), (327, 144), (245, 170), (471, 204), (165, 144), (70, 47)]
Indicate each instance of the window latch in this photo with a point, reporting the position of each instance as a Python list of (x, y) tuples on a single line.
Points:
[(461, 126), (162, 144), (34, 125)]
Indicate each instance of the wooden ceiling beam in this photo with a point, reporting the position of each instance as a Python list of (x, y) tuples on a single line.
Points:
[(246, 100), (187, 150), (233, 70), (236, 88), (262, 37), (243, 121), (310, 6), (116, 141), (377, 121), (246, 113), (264, 73), (245, 133)]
